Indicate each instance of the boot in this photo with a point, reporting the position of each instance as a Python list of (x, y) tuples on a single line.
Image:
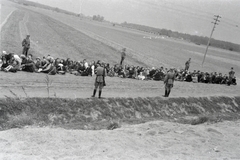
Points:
[(94, 92), (99, 94), (165, 93), (168, 93)]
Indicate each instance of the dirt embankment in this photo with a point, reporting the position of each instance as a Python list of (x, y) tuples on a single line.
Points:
[(99, 114)]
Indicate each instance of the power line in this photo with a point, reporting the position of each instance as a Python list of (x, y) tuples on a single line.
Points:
[(234, 25), (164, 6), (206, 16)]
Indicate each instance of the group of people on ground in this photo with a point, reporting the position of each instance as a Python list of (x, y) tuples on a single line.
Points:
[(11, 62)]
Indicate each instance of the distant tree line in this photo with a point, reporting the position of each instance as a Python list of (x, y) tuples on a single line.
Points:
[(199, 40), (98, 18)]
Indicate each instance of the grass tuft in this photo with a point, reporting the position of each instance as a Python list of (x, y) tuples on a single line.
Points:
[(48, 83), (25, 92), (20, 120), (113, 126), (199, 120)]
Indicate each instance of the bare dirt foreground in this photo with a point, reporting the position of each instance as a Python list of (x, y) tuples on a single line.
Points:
[(153, 140)]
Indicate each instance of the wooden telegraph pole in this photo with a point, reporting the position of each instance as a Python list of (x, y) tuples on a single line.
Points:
[(216, 17)]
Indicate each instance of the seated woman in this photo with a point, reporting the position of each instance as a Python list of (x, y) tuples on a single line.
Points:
[(122, 73), (194, 78), (141, 76), (92, 65), (13, 66), (61, 69), (188, 77), (131, 72), (180, 75), (27, 64), (49, 67), (107, 67), (152, 72), (80, 68), (159, 75), (218, 78), (87, 71), (126, 71), (234, 81), (225, 79), (38, 64), (4, 62), (111, 72), (146, 73)]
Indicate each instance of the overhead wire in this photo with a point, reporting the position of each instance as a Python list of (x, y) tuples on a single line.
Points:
[(203, 15)]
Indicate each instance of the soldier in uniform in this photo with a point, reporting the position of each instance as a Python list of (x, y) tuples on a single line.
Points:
[(231, 76), (26, 45), (123, 55), (187, 64), (100, 80), (168, 81)]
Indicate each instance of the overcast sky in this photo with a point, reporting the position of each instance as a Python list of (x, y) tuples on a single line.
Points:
[(186, 16)]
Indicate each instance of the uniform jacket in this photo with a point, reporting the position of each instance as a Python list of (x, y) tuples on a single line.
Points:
[(169, 78), (26, 43), (100, 74)]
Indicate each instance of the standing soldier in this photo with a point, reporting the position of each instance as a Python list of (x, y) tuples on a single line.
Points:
[(168, 81), (123, 55), (100, 80), (187, 64), (26, 45), (231, 76)]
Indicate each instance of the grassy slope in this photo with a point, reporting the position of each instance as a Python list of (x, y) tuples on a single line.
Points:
[(10, 37), (98, 114), (161, 51)]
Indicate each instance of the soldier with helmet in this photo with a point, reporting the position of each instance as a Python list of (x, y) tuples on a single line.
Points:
[(168, 81), (100, 79), (26, 45)]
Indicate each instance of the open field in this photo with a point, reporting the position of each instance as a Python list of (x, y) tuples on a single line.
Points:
[(5, 11), (153, 52), (167, 133)]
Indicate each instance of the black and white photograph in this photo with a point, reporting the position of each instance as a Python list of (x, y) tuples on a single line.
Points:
[(120, 80)]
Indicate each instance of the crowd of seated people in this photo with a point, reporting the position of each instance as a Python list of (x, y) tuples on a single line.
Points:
[(11, 62), (205, 77)]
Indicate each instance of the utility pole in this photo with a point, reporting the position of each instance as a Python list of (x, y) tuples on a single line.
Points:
[(216, 17)]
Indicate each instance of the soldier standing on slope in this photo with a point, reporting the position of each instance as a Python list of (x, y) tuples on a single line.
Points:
[(123, 55), (231, 76), (187, 64), (26, 45), (168, 81)]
